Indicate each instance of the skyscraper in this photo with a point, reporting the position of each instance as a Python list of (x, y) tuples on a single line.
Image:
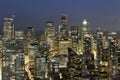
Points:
[(50, 29), (13, 61), (99, 43), (30, 33), (84, 31), (8, 28), (50, 33), (74, 37), (63, 26), (74, 65)]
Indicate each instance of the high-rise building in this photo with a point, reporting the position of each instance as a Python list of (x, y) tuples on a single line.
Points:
[(63, 26), (75, 37), (99, 43), (89, 57), (29, 39), (8, 28), (112, 56), (13, 61), (54, 69), (84, 31), (41, 68), (63, 45), (74, 65), (33, 51), (30, 33), (50, 34), (50, 29)]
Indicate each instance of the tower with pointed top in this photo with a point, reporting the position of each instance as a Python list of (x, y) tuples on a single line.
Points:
[(84, 27), (84, 31)]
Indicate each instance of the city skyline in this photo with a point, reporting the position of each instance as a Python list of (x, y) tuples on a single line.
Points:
[(59, 40), (27, 13), (75, 54)]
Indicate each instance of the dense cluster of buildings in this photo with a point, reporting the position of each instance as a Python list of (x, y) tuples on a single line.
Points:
[(64, 54)]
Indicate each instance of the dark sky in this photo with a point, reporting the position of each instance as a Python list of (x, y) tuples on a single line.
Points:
[(99, 13)]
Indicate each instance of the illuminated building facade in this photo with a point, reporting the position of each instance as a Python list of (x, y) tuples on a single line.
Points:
[(29, 39), (8, 28), (41, 67), (63, 45), (33, 51), (113, 55), (81, 55), (13, 61), (99, 43), (75, 37), (74, 65), (50, 34), (63, 26), (84, 31), (30, 34)]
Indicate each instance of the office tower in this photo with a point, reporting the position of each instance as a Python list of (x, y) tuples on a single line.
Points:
[(112, 55), (30, 38), (41, 67), (33, 51), (74, 65), (105, 52), (99, 43), (104, 58), (13, 61), (8, 28), (54, 69), (50, 30), (50, 34), (102, 54), (30, 33), (87, 44), (75, 37), (44, 48), (63, 26), (31, 47), (88, 55), (84, 31), (41, 61)]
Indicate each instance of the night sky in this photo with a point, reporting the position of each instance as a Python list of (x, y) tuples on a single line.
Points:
[(99, 13)]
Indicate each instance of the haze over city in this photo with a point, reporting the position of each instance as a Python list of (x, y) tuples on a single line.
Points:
[(99, 13)]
